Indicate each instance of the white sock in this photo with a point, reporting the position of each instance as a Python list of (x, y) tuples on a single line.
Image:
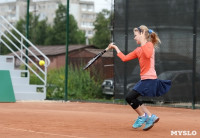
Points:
[(143, 115)]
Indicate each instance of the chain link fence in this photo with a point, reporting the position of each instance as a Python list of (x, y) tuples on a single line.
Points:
[(177, 23)]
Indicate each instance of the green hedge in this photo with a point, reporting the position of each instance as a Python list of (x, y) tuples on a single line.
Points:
[(81, 86)]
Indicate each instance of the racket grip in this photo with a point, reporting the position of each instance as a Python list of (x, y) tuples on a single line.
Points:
[(108, 48)]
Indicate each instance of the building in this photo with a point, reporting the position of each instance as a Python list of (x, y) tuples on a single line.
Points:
[(78, 55), (83, 12), (87, 17), (13, 11)]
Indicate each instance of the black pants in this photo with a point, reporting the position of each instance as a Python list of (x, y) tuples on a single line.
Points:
[(132, 100)]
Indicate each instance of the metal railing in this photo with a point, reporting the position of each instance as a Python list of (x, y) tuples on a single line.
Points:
[(5, 27)]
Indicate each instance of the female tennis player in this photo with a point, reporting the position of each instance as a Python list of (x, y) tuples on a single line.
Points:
[(149, 85)]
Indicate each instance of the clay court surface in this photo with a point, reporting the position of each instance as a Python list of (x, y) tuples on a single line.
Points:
[(89, 120)]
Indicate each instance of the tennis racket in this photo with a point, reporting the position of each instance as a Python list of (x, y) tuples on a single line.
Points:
[(95, 58)]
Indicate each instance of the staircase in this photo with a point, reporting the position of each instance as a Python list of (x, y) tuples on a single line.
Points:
[(23, 90)]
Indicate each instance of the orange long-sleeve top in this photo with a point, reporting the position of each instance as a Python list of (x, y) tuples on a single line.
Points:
[(146, 57)]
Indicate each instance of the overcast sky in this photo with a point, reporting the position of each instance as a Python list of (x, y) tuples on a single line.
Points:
[(99, 4)]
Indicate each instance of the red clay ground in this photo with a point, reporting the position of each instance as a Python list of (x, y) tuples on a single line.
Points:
[(89, 120)]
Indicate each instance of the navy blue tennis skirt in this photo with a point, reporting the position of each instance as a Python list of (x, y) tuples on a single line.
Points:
[(152, 87)]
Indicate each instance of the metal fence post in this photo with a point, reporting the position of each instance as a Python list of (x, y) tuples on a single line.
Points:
[(126, 45), (194, 53), (27, 31), (66, 56)]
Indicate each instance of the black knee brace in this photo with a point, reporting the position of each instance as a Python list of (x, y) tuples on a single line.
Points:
[(134, 103), (132, 100)]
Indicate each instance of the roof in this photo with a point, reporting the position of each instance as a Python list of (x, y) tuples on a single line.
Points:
[(56, 50), (96, 51)]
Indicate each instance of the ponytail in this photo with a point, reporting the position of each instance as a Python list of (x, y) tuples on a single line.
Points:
[(153, 37)]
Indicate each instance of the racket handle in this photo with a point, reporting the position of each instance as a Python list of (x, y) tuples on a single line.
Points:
[(108, 48)]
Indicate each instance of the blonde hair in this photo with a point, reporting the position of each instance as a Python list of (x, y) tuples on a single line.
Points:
[(150, 36)]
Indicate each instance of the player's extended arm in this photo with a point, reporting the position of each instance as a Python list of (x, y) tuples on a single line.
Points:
[(123, 57), (128, 57)]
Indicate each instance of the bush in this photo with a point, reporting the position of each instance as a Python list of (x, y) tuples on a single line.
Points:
[(55, 83), (81, 86)]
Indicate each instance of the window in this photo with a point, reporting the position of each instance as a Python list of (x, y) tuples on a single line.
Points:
[(11, 8), (42, 16), (87, 24), (87, 16), (90, 32), (90, 8), (84, 7)]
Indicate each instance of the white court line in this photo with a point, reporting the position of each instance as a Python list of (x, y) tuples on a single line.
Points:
[(31, 131)]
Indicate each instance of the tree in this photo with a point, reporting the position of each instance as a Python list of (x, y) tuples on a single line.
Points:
[(102, 35), (76, 36), (9, 40), (38, 30), (40, 33)]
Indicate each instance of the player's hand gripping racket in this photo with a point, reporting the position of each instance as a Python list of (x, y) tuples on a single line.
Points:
[(95, 58)]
